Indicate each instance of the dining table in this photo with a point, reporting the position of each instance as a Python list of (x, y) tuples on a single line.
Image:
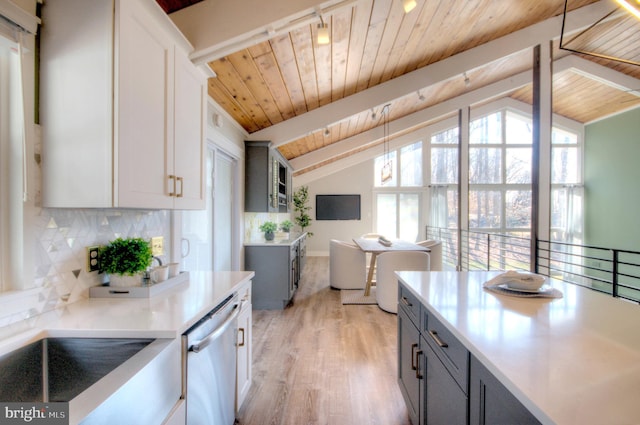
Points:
[(375, 246)]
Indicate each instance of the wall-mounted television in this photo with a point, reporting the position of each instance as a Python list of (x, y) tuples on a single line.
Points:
[(337, 207)]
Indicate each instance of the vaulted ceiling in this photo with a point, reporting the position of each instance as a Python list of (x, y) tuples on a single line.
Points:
[(320, 103)]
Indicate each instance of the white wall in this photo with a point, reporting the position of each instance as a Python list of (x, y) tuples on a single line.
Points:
[(357, 179)]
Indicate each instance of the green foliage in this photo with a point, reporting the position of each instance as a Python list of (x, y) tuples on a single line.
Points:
[(300, 200), (125, 256), (286, 226), (268, 227)]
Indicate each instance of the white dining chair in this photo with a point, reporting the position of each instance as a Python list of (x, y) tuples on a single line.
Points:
[(387, 282), (435, 253), (347, 265)]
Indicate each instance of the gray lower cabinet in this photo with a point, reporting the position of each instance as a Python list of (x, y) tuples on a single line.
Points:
[(410, 366), (441, 382), (491, 403), (446, 402), (278, 271)]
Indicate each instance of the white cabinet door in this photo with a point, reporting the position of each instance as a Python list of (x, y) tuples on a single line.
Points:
[(243, 366), (144, 72), (189, 126), (121, 112)]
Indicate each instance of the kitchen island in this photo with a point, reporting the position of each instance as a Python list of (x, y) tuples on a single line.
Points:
[(570, 360), (155, 375)]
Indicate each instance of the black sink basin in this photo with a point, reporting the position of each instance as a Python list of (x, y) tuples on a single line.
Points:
[(58, 369)]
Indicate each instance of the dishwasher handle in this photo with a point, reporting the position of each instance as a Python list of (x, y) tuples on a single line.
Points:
[(198, 346)]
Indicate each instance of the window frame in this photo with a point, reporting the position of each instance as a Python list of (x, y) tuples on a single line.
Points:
[(397, 190)]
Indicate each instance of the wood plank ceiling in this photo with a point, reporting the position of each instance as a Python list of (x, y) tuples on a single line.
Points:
[(374, 41)]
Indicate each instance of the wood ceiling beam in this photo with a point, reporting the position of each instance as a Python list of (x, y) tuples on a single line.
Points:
[(602, 74), (415, 120), (577, 64), (453, 66), (218, 28)]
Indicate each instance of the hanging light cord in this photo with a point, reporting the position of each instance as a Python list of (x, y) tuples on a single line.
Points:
[(385, 140)]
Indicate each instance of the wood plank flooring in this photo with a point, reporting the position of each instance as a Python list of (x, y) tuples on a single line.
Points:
[(319, 362)]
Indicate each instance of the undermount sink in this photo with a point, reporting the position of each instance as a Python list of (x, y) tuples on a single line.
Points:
[(58, 369), (104, 380)]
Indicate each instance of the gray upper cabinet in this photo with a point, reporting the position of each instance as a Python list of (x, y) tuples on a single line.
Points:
[(267, 179)]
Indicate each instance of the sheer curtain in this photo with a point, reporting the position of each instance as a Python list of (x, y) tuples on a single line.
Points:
[(439, 208), (13, 181), (573, 214)]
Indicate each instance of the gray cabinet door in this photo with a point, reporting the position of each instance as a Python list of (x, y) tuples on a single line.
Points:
[(258, 177), (410, 367), (268, 179), (446, 403), (490, 403)]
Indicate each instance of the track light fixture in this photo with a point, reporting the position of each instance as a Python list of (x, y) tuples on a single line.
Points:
[(323, 32), (409, 5)]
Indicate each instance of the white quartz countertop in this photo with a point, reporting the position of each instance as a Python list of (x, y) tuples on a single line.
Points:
[(166, 315), (572, 360), (288, 241)]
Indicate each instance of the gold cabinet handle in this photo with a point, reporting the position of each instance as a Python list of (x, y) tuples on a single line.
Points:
[(172, 179), (242, 343), (181, 180), (406, 302)]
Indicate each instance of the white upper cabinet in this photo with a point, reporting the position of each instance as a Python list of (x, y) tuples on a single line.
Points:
[(122, 108)]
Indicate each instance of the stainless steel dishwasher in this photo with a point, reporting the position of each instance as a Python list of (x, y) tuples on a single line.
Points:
[(210, 378)]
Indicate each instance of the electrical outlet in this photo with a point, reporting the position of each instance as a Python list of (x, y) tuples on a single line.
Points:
[(157, 245), (93, 258)]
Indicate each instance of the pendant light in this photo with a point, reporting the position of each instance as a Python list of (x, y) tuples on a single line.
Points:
[(387, 168), (323, 32)]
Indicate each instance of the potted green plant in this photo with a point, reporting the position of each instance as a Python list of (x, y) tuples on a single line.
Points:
[(286, 226), (268, 227), (125, 260), (300, 200)]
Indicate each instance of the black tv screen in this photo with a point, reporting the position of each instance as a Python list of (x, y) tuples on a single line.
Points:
[(337, 207)]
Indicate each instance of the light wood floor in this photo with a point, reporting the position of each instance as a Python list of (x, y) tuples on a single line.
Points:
[(319, 362)]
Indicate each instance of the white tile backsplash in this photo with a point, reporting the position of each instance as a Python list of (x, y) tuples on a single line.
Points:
[(61, 238)]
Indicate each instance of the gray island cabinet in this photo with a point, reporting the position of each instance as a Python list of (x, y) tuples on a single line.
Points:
[(278, 267), (467, 355)]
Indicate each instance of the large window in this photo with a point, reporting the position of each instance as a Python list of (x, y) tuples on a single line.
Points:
[(398, 211), (443, 185), (500, 152), (499, 181), (567, 192), (500, 167)]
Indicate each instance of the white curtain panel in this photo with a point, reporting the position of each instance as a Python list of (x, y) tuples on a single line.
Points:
[(439, 209)]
